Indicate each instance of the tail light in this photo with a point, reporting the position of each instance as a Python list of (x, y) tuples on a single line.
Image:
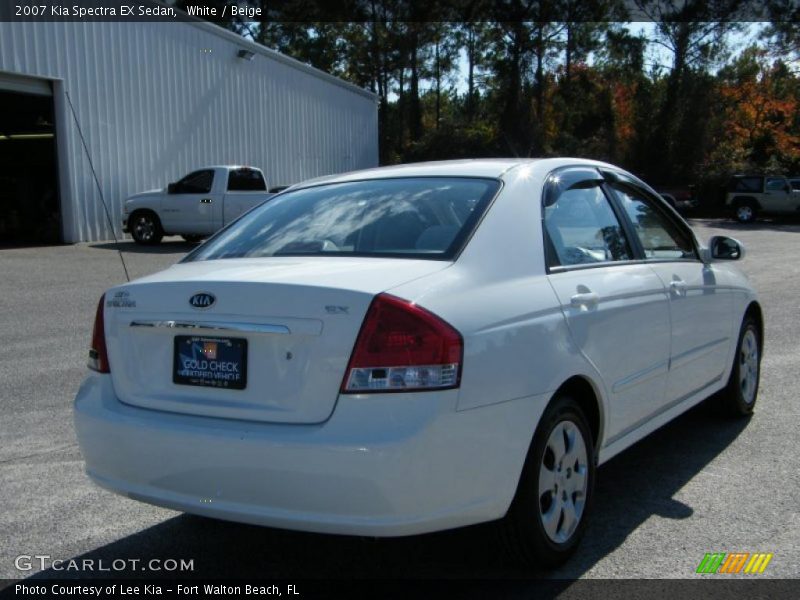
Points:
[(98, 355), (403, 347)]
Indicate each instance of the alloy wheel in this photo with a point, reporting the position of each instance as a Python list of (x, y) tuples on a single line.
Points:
[(748, 366), (145, 228), (563, 481)]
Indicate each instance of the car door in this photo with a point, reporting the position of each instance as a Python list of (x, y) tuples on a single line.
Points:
[(187, 208), (777, 196), (616, 308), (701, 311)]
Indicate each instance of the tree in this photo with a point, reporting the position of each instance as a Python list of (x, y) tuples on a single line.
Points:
[(472, 37), (695, 33), (783, 31), (758, 129)]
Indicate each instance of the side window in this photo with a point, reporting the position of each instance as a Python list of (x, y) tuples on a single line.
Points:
[(582, 228), (246, 180), (776, 184), (198, 182), (660, 237)]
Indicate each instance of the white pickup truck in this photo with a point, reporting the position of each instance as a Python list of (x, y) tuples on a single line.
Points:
[(195, 206)]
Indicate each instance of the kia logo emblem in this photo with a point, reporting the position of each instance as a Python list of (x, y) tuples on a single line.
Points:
[(202, 300)]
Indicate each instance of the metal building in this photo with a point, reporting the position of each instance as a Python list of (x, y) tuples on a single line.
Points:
[(153, 101)]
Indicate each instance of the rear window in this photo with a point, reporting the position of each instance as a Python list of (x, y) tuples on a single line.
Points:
[(425, 217), (246, 180), (746, 184)]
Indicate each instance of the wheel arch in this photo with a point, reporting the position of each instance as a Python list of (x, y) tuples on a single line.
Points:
[(138, 211), (754, 310), (737, 200), (587, 394)]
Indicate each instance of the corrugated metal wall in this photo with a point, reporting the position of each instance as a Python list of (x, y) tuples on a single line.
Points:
[(155, 100)]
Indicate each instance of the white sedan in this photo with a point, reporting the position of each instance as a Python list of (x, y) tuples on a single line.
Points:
[(415, 348)]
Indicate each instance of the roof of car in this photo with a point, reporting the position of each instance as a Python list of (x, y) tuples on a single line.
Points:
[(476, 167)]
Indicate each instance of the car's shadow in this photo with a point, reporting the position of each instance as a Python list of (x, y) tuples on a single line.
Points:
[(165, 247), (656, 468)]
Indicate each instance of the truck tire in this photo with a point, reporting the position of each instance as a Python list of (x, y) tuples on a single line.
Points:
[(145, 228)]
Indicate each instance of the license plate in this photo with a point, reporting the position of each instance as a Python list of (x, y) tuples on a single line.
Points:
[(210, 362)]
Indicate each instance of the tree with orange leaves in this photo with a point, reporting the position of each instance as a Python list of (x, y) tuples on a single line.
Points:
[(759, 127)]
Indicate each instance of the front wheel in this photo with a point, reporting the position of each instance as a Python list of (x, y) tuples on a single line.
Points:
[(738, 398), (145, 228), (548, 515)]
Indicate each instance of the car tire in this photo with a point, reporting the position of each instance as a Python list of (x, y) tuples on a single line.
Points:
[(192, 239), (548, 515), (745, 211), (145, 228), (738, 398)]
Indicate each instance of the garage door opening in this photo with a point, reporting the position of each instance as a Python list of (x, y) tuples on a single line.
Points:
[(30, 211)]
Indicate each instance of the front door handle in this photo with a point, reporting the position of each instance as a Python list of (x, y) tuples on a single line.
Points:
[(586, 299), (206, 201)]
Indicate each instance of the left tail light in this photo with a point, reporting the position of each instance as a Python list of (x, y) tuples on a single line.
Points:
[(98, 354)]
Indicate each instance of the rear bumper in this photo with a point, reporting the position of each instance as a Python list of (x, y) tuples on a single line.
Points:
[(387, 465)]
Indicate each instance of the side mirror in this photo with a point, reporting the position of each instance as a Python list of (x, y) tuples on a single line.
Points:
[(172, 188), (725, 248)]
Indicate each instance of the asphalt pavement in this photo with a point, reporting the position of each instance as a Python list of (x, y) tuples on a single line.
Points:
[(700, 484)]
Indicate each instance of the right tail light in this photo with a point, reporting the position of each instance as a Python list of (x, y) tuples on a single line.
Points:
[(403, 347)]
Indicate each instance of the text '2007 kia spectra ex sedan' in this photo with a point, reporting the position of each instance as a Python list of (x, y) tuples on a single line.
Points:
[(415, 348)]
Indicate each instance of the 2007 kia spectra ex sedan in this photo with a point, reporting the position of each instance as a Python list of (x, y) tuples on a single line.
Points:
[(415, 348)]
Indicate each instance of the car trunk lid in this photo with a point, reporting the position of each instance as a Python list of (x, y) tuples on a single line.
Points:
[(294, 320)]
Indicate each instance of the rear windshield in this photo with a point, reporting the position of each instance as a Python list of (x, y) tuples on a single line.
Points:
[(424, 217), (246, 180)]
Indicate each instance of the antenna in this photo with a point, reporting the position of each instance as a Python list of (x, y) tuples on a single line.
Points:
[(99, 189)]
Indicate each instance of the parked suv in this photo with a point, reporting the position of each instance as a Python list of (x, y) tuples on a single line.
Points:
[(750, 195)]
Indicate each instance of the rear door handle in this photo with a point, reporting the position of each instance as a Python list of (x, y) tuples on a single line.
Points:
[(585, 299), (205, 201), (678, 287)]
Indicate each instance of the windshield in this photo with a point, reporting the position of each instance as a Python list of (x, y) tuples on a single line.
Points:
[(421, 217)]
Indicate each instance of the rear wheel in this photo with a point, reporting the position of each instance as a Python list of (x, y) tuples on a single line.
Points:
[(145, 228), (739, 396), (548, 516), (745, 212)]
